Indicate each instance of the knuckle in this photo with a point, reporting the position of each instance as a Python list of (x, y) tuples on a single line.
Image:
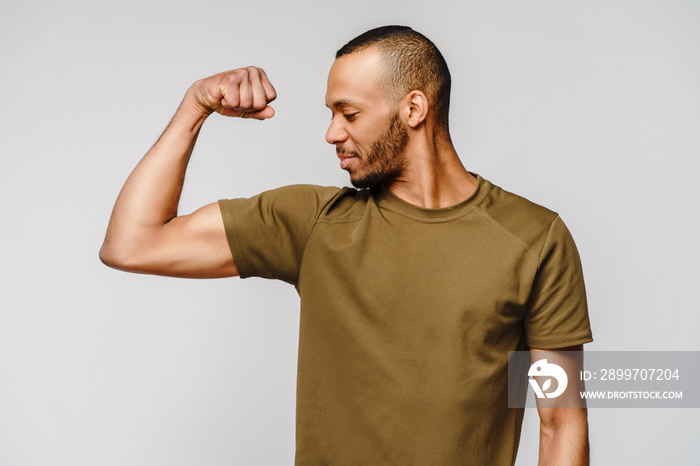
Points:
[(237, 74), (231, 80)]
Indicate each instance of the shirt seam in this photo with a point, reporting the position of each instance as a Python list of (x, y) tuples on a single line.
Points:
[(546, 241), (308, 237), (240, 262), (445, 219), (495, 223), (583, 337)]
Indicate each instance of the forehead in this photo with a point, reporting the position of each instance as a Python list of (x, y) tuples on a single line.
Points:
[(356, 79)]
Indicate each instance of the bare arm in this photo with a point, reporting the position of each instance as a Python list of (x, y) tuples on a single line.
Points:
[(145, 234), (564, 430)]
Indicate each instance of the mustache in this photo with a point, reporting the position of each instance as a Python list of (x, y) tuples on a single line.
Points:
[(346, 152)]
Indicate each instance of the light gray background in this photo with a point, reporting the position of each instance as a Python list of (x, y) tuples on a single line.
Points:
[(590, 108)]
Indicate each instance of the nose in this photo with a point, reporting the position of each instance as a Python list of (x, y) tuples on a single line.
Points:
[(336, 134)]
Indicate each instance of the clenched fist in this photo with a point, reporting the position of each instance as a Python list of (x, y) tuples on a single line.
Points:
[(244, 93)]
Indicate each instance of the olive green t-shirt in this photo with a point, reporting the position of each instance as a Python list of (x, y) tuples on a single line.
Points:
[(408, 314)]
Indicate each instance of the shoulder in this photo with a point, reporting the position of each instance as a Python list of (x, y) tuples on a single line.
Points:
[(529, 222), (303, 203), (297, 196), (302, 192), (329, 202)]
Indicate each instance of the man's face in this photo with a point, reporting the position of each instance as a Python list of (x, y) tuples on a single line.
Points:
[(367, 131)]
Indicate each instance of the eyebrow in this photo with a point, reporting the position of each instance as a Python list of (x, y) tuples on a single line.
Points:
[(341, 102)]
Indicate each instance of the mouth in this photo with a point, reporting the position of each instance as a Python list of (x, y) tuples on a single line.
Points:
[(345, 158), (345, 161)]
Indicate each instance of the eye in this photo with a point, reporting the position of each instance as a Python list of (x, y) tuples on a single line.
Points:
[(349, 116)]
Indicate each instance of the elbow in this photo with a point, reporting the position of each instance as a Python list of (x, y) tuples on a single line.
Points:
[(567, 423), (117, 258), (109, 256)]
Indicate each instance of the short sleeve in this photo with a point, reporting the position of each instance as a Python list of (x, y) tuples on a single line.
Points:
[(267, 233), (557, 313)]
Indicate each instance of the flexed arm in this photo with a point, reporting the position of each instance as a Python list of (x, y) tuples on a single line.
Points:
[(145, 234)]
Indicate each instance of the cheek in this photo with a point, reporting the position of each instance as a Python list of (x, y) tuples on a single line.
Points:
[(364, 138)]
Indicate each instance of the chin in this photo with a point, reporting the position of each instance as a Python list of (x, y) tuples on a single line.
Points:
[(367, 180)]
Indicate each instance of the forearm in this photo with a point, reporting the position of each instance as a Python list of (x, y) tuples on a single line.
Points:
[(564, 439), (145, 234), (151, 194)]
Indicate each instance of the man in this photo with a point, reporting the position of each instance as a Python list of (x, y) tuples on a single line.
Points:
[(413, 287)]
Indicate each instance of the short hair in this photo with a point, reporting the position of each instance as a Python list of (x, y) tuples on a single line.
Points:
[(412, 62)]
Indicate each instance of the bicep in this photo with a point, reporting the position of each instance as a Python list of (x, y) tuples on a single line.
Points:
[(188, 246)]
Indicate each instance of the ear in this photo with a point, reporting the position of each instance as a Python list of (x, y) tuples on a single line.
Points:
[(417, 104)]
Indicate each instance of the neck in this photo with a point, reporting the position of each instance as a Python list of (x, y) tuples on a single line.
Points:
[(434, 177)]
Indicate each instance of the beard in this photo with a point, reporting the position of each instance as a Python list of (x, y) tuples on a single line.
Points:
[(386, 159)]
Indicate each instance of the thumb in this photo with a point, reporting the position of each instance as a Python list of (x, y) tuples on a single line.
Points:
[(265, 113)]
